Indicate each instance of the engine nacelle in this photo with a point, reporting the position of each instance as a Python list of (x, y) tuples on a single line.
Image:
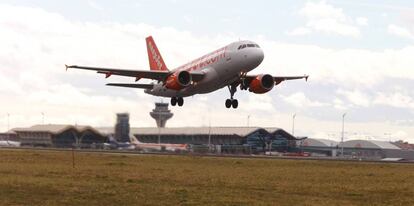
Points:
[(178, 80), (262, 84)]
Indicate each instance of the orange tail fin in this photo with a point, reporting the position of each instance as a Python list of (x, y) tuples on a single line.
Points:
[(155, 59)]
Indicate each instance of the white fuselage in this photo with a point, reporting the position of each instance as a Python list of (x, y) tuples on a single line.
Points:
[(221, 67)]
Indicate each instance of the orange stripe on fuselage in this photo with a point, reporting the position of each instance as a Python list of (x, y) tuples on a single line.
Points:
[(204, 61)]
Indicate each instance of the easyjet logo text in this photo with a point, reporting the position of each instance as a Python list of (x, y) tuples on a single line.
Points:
[(155, 57)]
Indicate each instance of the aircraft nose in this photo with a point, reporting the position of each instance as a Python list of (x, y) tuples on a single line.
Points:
[(257, 57), (260, 55)]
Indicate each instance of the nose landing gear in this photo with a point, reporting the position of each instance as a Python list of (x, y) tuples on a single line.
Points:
[(232, 102)]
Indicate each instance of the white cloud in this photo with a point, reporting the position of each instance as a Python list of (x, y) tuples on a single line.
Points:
[(362, 21), (299, 100), (300, 31), (356, 97), (403, 122), (339, 104), (95, 5), (396, 99), (347, 68), (262, 102), (398, 135), (188, 19), (400, 31), (325, 18)]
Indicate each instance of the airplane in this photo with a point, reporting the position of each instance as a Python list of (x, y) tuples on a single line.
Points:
[(224, 67), (160, 147), (7, 143)]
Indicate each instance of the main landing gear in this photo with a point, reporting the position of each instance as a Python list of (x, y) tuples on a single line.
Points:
[(177, 100), (232, 102)]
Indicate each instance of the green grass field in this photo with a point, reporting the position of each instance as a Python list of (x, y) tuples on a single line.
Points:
[(47, 178)]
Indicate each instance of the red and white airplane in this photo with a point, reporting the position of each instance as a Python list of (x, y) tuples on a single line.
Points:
[(227, 66)]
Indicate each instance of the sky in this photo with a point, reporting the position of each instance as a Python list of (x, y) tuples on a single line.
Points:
[(359, 55)]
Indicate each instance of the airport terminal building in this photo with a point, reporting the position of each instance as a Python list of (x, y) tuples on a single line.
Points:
[(65, 136), (62, 136), (256, 138), (234, 140)]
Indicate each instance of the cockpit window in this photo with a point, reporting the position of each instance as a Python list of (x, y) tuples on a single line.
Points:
[(247, 45)]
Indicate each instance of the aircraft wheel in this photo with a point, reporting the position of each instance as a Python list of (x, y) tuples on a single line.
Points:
[(173, 101), (228, 103), (235, 103), (180, 101)]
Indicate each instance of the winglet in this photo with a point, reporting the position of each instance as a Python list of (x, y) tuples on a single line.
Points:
[(306, 77), (66, 66)]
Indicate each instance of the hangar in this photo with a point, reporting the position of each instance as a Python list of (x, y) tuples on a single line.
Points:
[(374, 149), (319, 143), (357, 149), (319, 146), (55, 135)]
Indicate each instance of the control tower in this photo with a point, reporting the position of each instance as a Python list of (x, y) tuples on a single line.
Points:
[(161, 114), (122, 127)]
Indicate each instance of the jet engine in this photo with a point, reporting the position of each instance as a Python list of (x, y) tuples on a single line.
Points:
[(262, 84), (178, 80)]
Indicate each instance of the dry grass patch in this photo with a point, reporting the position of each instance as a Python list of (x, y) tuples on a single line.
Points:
[(47, 178)]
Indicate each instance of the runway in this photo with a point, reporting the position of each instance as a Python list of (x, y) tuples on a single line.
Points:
[(238, 156)]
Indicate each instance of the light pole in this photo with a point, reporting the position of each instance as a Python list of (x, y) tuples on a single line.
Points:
[(293, 124), (209, 136), (43, 118), (270, 147), (343, 132), (248, 120), (159, 128), (8, 127), (209, 130), (389, 136), (8, 121)]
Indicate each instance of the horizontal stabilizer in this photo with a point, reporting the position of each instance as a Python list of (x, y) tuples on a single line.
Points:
[(140, 86)]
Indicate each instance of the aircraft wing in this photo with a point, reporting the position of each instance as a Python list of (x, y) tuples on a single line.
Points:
[(138, 74), (139, 86), (147, 74), (278, 79)]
